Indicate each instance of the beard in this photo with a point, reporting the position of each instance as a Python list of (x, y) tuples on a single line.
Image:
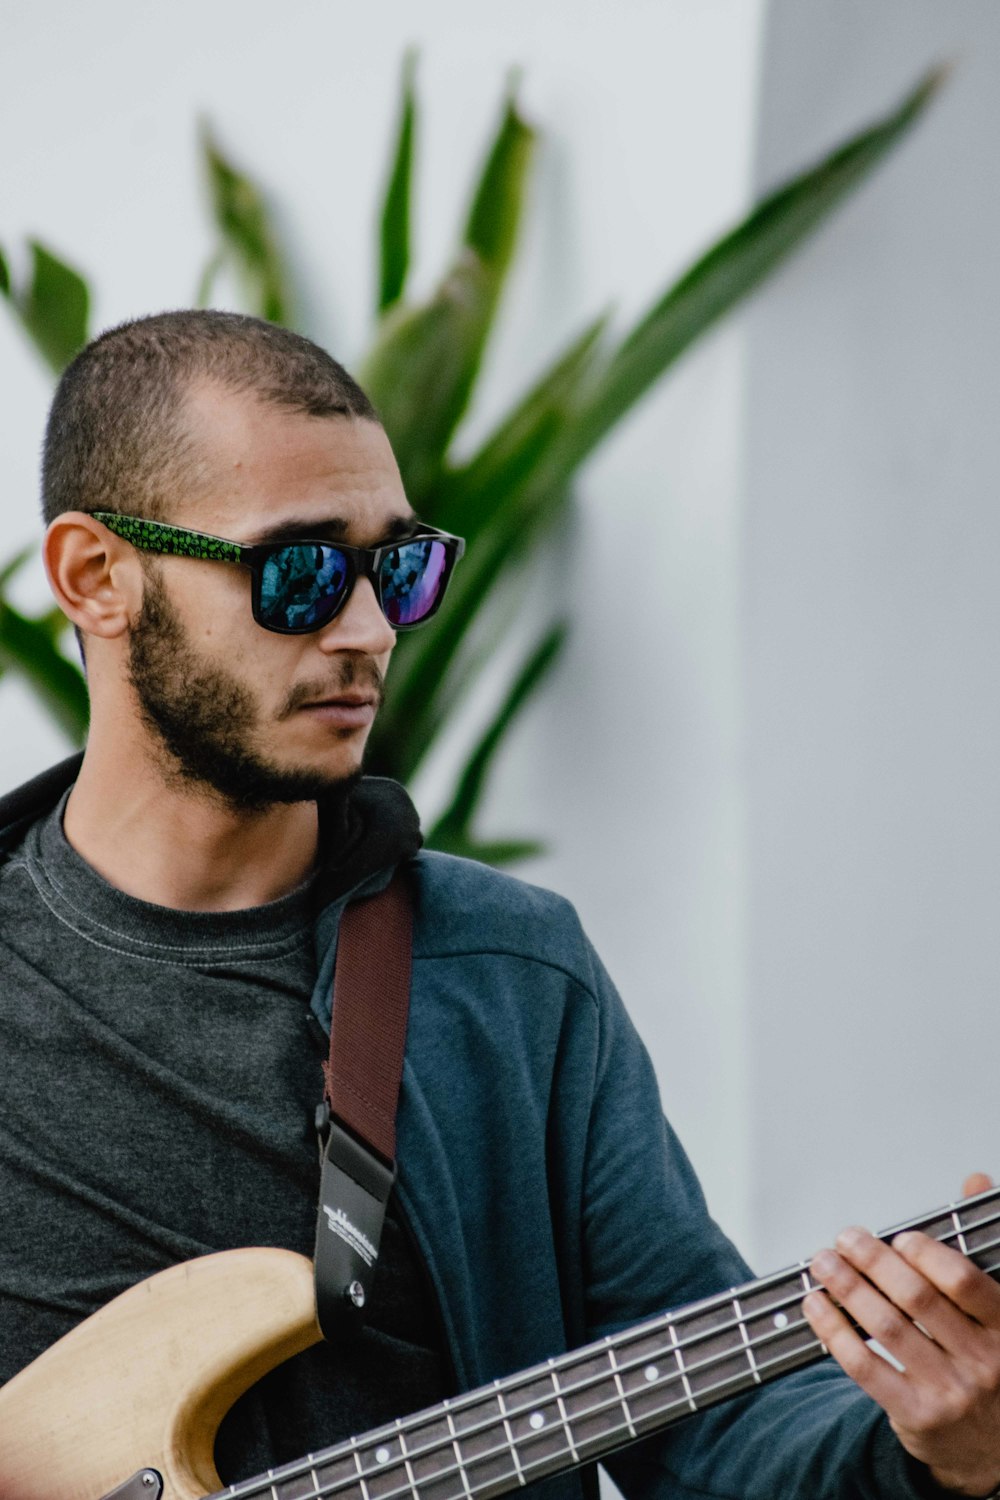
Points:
[(208, 720)]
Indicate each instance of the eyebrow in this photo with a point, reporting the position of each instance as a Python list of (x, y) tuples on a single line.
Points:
[(335, 529)]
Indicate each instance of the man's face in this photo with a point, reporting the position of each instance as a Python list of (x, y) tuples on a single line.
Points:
[(258, 717)]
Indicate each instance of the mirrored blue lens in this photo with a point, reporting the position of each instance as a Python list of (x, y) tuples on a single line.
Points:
[(301, 586), (411, 579)]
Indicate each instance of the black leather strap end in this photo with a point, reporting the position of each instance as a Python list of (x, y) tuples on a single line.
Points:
[(355, 1185)]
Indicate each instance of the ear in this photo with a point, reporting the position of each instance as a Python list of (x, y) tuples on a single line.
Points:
[(94, 575)]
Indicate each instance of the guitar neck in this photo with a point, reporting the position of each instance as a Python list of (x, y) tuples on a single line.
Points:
[(582, 1406)]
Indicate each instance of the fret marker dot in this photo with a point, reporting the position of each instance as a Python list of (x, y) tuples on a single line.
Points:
[(780, 1320), (536, 1420), (651, 1372), (381, 1455)]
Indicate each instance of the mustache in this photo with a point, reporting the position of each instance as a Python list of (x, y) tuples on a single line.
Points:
[(351, 674)]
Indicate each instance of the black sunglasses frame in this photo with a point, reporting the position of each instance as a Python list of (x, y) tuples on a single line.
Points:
[(362, 562)]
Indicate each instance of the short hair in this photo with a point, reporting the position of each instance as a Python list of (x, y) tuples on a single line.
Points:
[(115, 438)]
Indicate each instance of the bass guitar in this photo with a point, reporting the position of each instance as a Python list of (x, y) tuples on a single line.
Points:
[(127, 1405)]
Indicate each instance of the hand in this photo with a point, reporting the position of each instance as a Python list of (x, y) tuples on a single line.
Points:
[(945, 1406)]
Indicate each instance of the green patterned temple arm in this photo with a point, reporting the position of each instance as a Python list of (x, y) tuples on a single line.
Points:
[(157, 536)]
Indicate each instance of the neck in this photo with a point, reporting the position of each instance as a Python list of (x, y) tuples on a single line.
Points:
[(162, 840)]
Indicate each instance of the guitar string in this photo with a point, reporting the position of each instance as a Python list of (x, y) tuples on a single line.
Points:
[(509, 1479), (576, 1357), (483, 1398), (608, 1439)]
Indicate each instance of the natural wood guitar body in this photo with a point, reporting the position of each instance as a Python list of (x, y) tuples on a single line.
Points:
[(146, 1381)]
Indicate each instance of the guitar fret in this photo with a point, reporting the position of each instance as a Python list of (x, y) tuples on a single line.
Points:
[(406, 1461), (562, 1413), (810, 1286), (959, 1231), (458, 1457), (746, 1340), (302, 1486), (510, 1435), (612, 1360), (681, 1370), (361, 1472)]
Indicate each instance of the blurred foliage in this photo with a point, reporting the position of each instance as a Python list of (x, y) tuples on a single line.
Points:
[(421, 372)]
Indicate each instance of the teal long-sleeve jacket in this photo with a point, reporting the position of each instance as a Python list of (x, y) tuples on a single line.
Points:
[(553, 1204)]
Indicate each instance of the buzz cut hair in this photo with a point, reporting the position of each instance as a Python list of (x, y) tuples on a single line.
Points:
[(116, 438)]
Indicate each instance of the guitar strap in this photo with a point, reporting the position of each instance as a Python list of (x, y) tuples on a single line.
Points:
[(356, 1121)]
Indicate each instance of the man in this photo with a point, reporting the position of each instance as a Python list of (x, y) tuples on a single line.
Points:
[(168, 916)]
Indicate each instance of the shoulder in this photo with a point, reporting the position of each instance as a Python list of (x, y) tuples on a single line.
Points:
[(463, 907)]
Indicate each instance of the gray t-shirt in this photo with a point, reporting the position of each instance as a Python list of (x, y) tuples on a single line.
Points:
[(158, 1082)]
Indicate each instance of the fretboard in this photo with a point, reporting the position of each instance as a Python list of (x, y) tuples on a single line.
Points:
[(580, 1406)]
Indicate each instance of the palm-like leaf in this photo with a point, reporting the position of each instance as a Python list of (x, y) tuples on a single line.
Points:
[(422, 367), (30, 647), (451, 831), (53, 308), (248, 236), (394, 225), (520, 480), (734, 267)]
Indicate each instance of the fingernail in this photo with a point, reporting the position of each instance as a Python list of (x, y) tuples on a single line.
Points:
[(851, 1237), (825, 1263)]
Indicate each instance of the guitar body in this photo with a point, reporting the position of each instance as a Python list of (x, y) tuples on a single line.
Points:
[(145, 1382)]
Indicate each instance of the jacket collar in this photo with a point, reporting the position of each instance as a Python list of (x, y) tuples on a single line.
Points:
[(20, 808)]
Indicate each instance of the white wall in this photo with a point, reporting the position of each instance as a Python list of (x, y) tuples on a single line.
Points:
[(629, 766), (871, 621)]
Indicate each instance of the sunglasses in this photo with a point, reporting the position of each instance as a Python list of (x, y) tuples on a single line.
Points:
[(302, 586)]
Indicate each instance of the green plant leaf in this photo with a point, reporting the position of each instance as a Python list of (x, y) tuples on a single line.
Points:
[(468, 497), (55, 623), (27, 645), (533, 496), (735, 266), (14, 565), (456, 821), (53, 309), (495, 213), (420, 370), (425, 663), (4, 276), (502, 499), (394, 230), (425, 360), (207, 279), (244, 221), (526, 469)]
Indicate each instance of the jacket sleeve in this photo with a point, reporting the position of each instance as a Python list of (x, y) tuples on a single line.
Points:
[(651, 1246)]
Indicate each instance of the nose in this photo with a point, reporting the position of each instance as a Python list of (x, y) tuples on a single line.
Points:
[(360, 626)]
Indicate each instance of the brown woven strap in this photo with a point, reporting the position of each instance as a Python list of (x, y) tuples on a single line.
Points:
[(371, 1000)]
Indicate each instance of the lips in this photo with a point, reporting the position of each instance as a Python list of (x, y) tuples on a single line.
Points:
[(344, 700), (347, 712)]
